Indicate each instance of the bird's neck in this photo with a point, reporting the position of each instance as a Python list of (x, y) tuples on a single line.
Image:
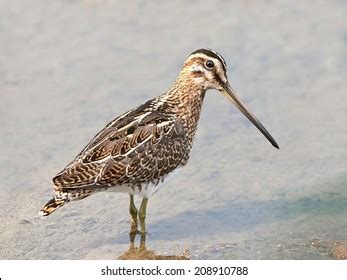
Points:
[(185, 99)]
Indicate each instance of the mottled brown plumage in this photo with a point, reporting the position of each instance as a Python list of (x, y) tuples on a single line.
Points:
[(136, 151), (140, 147)]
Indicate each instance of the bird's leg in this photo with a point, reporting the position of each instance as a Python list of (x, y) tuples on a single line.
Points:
[(133, 213), (142, 214), (143, 242), (142, 218)]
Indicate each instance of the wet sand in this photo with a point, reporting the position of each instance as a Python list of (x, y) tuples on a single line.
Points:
[(340, 251), (69, 67), (144, 254)]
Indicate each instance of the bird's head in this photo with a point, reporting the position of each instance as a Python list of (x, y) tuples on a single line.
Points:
[(208, 69)]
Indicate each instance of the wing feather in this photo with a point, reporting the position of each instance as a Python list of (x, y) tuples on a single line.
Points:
[(143, 148)]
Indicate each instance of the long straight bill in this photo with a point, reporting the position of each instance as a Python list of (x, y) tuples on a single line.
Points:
[(230, 94)]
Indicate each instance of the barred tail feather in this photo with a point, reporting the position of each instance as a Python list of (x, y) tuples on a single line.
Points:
[(53, 204)]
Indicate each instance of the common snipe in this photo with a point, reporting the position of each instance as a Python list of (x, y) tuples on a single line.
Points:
[(138, 150)]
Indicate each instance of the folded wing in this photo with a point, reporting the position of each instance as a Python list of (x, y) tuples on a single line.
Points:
[(135, 148)]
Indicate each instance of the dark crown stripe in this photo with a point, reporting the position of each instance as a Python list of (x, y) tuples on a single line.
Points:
[(213, 54)]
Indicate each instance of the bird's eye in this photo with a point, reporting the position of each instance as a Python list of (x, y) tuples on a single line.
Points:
[(209, 64)]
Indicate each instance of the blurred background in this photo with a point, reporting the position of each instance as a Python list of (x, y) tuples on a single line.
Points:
[(69, 67)]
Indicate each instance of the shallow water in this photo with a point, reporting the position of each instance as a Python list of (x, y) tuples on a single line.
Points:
[(69, 67)]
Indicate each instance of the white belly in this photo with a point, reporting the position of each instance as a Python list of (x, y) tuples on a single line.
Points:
[(149, 189), (146, 190)]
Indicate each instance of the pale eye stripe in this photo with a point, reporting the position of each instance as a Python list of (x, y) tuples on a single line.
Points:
[(220, 57), (212, 54)]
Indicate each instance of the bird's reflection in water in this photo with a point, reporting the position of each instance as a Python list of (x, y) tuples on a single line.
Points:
[(141, 252)]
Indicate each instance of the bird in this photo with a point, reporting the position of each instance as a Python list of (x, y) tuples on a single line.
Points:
[(138, 151)]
